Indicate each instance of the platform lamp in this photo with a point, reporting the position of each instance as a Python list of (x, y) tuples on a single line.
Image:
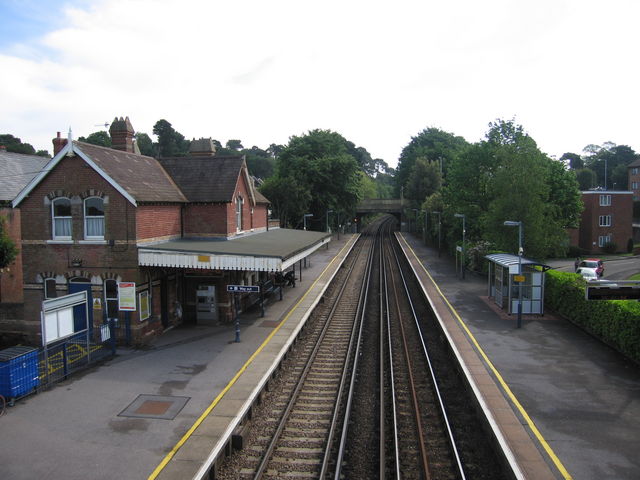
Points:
[(439, 227), (304, 219), (463, 217), (328, 212), (510, 223)]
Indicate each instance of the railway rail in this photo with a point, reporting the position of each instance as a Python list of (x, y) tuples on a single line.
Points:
[(369, 390)]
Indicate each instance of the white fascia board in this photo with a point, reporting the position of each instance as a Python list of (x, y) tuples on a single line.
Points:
[(43, 173), (104, 175), (69, 148), (305, 253)]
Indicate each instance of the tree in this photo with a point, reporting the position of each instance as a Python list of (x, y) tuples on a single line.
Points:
[(506, 177), (424, 181), (259, 162), (8, 249), (235, 145), (170, 142), (586, 178), (145, 144), (314, 173), (575, 160), (611, 157), (100, 138), (433, 144)]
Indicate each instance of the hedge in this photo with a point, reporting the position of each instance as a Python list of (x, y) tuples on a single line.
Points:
[(615, 322)]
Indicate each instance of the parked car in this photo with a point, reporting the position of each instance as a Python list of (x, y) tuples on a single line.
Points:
[(595, 263), (588, 274)]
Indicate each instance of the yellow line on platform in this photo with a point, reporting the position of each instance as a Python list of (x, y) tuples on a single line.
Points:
[(503, 383), (165, 461)]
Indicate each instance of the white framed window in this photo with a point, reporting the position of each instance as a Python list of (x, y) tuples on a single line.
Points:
[(61, 218), (603, 240), (94, 218), (604, 220), (634, 185), (239, 203), (605, 200), (50, 288), (634, 171)]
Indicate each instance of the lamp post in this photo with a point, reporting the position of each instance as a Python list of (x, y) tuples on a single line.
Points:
[(463, 217), (328, 212), (439, 226), (304, 219), (425, 230), (510, 223)]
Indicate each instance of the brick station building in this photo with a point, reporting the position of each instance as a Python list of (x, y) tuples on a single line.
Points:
[(181, 229)]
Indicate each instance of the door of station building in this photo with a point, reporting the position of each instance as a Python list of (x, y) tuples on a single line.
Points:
[(206, 305), (80, 320)]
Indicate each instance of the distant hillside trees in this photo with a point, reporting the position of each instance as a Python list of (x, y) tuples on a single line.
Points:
[(15, 145)]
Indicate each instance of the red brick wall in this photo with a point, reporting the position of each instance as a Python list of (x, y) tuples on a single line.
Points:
[(157, 222), (207, 220), (634, 178), (11, 276), (621, 211)]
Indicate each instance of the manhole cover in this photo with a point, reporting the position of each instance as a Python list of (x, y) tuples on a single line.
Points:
[(155, 406)]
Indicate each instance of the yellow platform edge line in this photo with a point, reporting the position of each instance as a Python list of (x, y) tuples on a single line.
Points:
[(165, 461), (554, 458)]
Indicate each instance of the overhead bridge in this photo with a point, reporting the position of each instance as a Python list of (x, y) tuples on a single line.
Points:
[(377, 205)]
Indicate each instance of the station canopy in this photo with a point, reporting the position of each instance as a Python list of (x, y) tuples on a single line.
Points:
[(271, 251), (510, 261)]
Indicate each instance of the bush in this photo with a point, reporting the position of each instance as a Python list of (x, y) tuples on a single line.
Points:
[(574, 251), (610, 247), (630, 245), (615, 322)]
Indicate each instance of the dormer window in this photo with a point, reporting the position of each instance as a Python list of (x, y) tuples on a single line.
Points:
[(94, 218), (61, 213)]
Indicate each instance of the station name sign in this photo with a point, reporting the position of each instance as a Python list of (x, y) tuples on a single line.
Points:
[(243, 288), (624, 290)]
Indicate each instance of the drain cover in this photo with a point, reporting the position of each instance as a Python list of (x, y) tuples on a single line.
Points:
[(155, 406)]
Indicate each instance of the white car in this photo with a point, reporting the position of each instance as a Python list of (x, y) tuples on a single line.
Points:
[(588, 273)]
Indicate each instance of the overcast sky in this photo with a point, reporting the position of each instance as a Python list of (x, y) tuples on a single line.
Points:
[(376, 72)]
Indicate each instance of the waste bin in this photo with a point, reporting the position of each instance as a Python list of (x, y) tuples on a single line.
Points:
[(18, 371)]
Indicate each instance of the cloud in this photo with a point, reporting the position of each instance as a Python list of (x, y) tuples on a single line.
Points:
[(376, 72)]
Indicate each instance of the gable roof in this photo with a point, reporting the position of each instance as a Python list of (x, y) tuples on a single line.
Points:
[(137, 177), (207, 179), (18, 169)]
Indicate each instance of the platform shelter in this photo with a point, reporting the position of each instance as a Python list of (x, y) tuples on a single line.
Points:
[(504, 282)]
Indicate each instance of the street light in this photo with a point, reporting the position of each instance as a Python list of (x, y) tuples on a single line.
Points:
[(304, 219), (438, 213), (463, 217), (328, 212), (510, 223)]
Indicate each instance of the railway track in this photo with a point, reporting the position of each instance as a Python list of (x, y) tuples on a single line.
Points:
[(358, 395)]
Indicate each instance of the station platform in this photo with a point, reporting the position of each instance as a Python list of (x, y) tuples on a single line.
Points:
[(577, 399), (159, 412)]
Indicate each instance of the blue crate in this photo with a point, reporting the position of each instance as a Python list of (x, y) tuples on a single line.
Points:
[(18, 371)]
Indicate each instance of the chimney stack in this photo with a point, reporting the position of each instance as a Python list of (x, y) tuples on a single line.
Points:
[(121, 133), (58, 144)]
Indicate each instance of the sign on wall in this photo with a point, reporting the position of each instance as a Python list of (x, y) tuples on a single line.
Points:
[(145, 310), (127, 296)]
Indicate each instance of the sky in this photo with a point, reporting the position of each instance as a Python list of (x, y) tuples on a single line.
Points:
[(376, 72)]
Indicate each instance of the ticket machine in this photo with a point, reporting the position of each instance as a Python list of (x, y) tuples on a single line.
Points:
[(206, 305)]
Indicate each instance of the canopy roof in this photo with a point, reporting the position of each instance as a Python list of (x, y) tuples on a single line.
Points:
[(511, 262)]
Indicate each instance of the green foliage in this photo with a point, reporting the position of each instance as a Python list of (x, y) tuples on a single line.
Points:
[(170, 142), (314, 173), (145, 144), (506, 177), (616, 323), (100, 138), (586, 178), (574, 160), (433, 144), (8, 249), (610, 247), (15, 145), (616, 158), (424, 181)]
